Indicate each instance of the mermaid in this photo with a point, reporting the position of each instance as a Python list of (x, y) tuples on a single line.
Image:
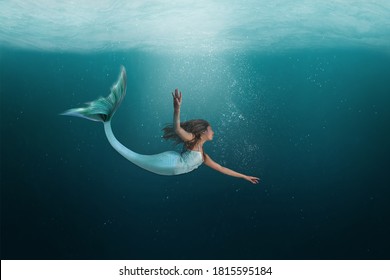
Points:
[(192, 134)]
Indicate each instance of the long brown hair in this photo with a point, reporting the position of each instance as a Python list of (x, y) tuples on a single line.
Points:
[(196, 127)]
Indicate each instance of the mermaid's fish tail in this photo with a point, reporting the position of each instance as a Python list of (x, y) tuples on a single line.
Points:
[(103, 108)]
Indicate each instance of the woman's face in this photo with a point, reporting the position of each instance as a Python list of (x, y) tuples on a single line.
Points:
[(208, 134)]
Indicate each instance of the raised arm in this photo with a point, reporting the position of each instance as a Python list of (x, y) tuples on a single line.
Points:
[(210, 163), (184, 135)]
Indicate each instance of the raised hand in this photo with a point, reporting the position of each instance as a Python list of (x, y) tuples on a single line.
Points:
[(176, 99)]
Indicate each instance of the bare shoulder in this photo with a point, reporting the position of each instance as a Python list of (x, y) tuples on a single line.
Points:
[(184, 135), (211, 163)]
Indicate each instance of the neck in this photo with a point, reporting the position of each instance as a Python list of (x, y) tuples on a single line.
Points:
[(198, 145), (201, 142)]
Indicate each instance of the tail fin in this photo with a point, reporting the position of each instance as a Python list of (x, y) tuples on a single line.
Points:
[(103, 108)]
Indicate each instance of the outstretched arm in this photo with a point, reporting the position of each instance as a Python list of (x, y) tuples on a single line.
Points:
[(184, 135), (210, 163)]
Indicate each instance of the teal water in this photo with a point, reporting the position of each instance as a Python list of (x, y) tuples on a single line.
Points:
[(311, 121)]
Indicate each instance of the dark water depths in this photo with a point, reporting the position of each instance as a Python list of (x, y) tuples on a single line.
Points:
[(314, 125)]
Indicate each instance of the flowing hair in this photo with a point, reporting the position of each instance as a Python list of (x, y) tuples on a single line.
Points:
[(196, 127)]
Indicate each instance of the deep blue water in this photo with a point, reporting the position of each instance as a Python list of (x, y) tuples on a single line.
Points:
[(313, 124)]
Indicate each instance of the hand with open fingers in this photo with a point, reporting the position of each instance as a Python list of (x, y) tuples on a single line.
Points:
[(176, 99), (253, 180)]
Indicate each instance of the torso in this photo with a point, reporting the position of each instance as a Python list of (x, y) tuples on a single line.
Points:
[(198, 149), (189, 160)]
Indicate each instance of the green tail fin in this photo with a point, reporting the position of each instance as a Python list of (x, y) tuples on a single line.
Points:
[(103, 108)]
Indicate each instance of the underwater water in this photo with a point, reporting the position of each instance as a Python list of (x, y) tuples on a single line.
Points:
[(298, 94)]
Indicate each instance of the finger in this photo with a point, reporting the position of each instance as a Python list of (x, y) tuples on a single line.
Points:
[(173, 95), (177, 92)]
